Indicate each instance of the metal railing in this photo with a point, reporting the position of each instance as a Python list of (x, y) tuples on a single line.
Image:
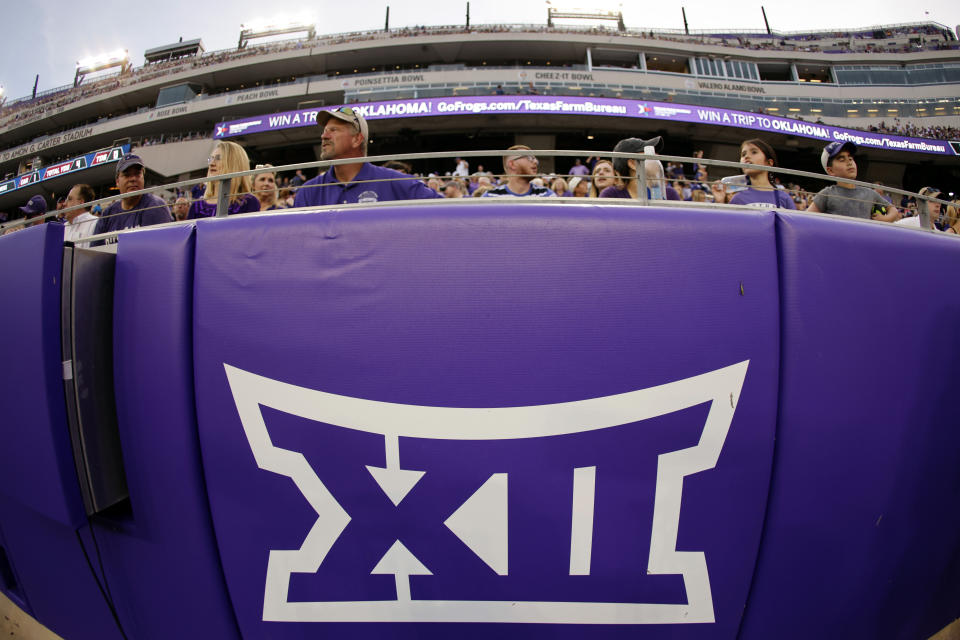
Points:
[(224, 181)]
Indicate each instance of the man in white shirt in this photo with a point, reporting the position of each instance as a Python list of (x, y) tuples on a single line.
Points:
[(80, 223)]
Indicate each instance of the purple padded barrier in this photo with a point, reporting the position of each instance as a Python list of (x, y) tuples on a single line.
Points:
[(162, 562), (543, 364), (36, 461), (862, 538), (40, 505)]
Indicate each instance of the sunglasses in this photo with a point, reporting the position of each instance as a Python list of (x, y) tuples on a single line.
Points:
[(348, 111)]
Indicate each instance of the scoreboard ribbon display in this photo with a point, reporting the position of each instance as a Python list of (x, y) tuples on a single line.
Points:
[(92, 159)]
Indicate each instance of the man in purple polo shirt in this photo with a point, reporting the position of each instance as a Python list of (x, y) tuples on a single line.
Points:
[(344, 135)]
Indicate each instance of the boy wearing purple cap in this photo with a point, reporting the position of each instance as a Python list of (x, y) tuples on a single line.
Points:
[(844, 198), (137, 211)]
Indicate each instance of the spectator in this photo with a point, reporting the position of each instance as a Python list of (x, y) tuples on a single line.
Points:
[(844, 198), (298, 179), (559, 186), (627, 169), (759, 192), (521, 170), (463, 168), (36, 206), (135, 211), (453, 189), (344, 134), (80, 223), (579, 186), (265, 188), (180, 209), (397, 165), (695, 167), (882, 192), (952, 217), (929, 216), (603, 176), (226, 157), (578, 169)]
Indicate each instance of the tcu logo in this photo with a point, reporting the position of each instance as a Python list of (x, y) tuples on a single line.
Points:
[(532, 514)]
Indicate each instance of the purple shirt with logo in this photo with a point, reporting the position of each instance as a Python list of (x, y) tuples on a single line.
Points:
[(149, 210), (759, 198), (371, 184)]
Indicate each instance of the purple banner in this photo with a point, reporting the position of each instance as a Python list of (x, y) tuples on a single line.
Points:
[(568, 105)]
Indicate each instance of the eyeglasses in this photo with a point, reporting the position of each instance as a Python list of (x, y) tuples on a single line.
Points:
[(214, 158)]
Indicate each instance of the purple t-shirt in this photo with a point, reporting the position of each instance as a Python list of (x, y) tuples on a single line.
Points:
[(579, 170), (761, 198), (371, 184), (149, 210), (248, 203)]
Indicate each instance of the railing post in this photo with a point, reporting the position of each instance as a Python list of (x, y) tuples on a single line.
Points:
[(223, 197), (640, 169)]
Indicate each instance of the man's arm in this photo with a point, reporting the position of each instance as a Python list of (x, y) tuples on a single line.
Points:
[(819, 203), (416, 190), (892, 214)]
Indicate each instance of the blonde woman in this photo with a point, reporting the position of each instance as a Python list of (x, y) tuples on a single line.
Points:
[(603, 176), (226, 157), (265, 188), (952, 221)]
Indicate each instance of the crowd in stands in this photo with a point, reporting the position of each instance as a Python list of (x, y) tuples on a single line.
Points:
[(343, 136), (914, 131)]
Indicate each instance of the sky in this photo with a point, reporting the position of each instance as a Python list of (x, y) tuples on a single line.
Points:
[(49, 38)]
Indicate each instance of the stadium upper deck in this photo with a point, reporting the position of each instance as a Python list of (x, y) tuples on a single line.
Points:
[(888, 76)]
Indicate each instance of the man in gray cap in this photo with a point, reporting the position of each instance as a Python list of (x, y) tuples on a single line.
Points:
[(845, 198), (344, 134), (136, 211)]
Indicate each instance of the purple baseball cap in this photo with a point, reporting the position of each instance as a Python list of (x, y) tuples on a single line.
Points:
[(36, 206), (127, 161)]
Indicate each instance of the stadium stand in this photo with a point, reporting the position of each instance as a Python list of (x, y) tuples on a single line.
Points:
[(898, 79)]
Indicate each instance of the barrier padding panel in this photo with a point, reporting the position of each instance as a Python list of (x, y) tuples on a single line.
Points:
[(863, 533), (36, 460), (161, 562), (40, 505), (554, 420)]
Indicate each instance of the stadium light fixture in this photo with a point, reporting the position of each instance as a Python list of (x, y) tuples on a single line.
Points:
[(118, 58), (576, 14), (276, 26)]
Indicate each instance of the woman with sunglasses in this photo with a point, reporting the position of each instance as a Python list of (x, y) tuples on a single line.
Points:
[(226, 157)]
